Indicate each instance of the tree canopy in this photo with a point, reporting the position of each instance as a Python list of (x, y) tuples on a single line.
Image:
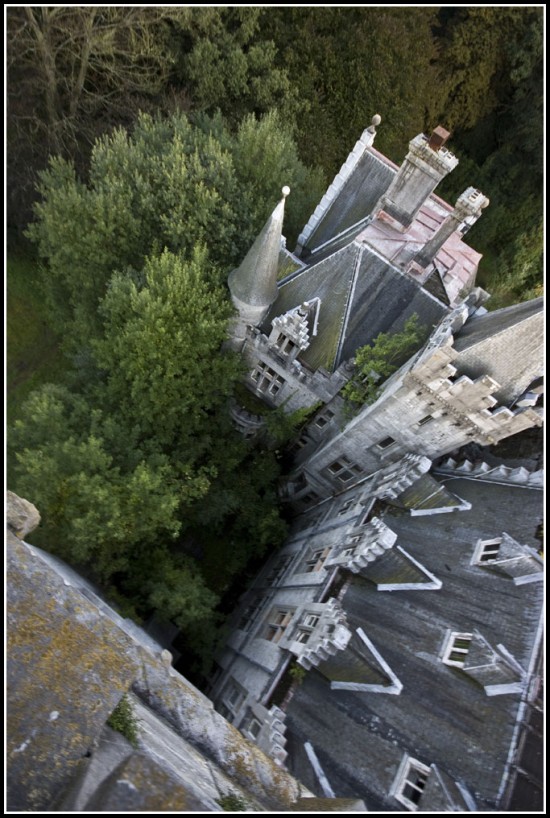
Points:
[(375, 362), (140, 477), (169, 184)]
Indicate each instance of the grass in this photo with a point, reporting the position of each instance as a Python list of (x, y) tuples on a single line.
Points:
[(33, 350)]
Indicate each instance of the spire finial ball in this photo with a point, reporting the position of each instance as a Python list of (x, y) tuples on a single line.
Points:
[(285, 191), (376, 120)]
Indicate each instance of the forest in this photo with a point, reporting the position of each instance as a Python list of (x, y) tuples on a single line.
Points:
[(145, 148)]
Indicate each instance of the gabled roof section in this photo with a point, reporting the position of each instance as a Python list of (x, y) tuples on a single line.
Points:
[(427, 496), (361, 295), (370, 177), (396, 570), (495, 671), (254, 281), (519, 562), (331, 282), (442, 794), (382, 299), (360, 667), (434, 285), (507, 345)]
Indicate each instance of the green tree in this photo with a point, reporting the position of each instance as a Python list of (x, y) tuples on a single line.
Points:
[(347, 64), (170, 184), (375, 362), (225, 62), (491, 69), (160, 351)]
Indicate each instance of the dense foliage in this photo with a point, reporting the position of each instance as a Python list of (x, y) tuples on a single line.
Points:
[(375, 362), (140, 478)]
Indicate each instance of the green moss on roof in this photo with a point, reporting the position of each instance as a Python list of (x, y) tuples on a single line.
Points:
[(356, 664)]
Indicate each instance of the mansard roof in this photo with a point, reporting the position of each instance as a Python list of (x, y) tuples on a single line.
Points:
[(506, 344), (450, 722)]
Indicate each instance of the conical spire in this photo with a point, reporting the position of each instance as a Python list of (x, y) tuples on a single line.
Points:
[(254, 282)]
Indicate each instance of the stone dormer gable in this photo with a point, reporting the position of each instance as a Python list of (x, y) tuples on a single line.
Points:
[(495, 670), (316, 631), (397, 570), (426, 496), (291, 333), (361, 668), (363, 545), (505, 556), (395, 478)]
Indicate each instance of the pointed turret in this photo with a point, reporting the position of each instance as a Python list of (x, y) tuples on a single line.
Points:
[(253, 284)]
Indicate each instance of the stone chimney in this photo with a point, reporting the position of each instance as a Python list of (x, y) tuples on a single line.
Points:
[(466, 212), (426, 164)]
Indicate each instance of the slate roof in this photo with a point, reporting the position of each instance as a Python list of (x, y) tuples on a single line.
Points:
[(355, 664), (362, 271), (442, 716), (427, 494), (361, 295), (370, 178), (506, 344)]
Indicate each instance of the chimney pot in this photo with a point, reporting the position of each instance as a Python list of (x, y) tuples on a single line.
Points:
[(438, 138)]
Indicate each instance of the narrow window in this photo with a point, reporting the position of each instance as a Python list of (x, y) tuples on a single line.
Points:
[(305, 628), (266, 379), (424, 420), (386, 443), (411, 782), (277, 624), (487, 550), (284, 344), (309, 498), (457, 649), (344, 470), (251, 726), (325, 418), (232, 698), (315, 560)]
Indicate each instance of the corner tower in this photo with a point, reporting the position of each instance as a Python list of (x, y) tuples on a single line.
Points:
[(253, 284)]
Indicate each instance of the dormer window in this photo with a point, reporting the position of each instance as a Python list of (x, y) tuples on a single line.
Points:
[(410, 783), (487, 550), (305, 628), (456, 649), (251, 726), (284, 344), (232, 698)]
